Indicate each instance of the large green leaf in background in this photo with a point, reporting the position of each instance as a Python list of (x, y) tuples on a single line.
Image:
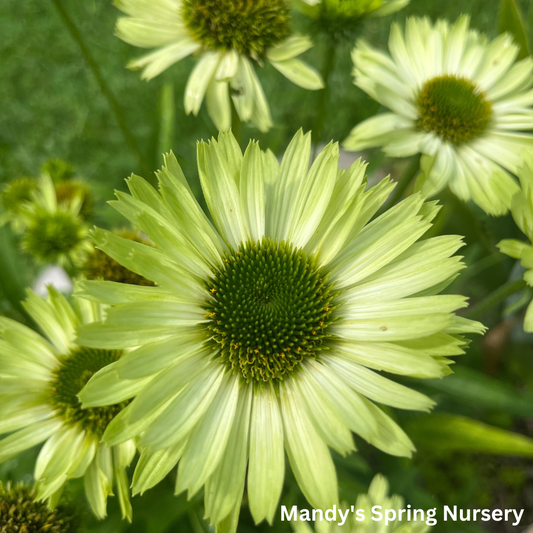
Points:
[(446, 432)]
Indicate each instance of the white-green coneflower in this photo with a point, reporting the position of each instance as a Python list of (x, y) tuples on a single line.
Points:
[(40, 378), (269, 326), (522, 211), (455, 97), (52, 230), (228, 36), (378, 494)]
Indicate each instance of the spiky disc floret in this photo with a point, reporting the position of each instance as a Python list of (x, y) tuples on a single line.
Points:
[(454, 108), (248, 26), (270, 308), (75, 371), (58, 169), (21, 513), (52, 235)]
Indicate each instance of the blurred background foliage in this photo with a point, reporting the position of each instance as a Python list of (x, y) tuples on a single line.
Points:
[(53, 107)]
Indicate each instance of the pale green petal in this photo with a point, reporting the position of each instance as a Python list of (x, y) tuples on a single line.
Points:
[(252, 191), (299, 73), (349, 405), (376, 387), (528, 319), (219, 104), (154, 357), (327, 422), (243, 88), (83, 459), (148, 262), (169, 383), (313, 195), (228, 66), (221, 193), (393, 358), (308, 455), (122, 484), (223, 489), (291, 47), (65, 448), (207, 442), (107, 388), (156, 62), (182, 414), (97, 488), (111, 292), (14, 420), (107, 337), (198, 81), (27, 438), (148, 33), (154, 466), (260, 112), (293, 171), (266, 469)]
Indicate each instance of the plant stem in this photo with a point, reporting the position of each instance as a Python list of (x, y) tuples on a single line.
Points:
[(236, 125), (328, 61), (498, 296), (106, 91), (403, 182)]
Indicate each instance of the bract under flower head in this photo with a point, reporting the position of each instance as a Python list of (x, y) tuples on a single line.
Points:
[(269, 326), (229, 36), (456, 98), (40, 378)]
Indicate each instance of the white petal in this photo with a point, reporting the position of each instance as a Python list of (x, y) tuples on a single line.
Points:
[(198, 81)]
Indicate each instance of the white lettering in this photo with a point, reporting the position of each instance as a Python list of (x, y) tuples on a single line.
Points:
[(343, 517), (453, 516), (376, 512), (286, 516), (518, 516), (332, 513)]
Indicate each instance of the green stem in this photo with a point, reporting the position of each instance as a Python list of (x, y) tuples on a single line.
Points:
[(498, 296), (328, 62), (236, 125), (403, 182), (106, 91)]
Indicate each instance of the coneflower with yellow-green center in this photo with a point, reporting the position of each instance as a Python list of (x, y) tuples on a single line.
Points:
[(455, 97), (40, 378), (270, 322), (229, 37)]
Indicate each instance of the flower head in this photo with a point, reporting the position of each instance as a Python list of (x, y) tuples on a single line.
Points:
[(58, 169), (228, 36), (458, 99), (13, 197), (53, 231), (21, 512), (522, 211), (40, 378), (269, 327)]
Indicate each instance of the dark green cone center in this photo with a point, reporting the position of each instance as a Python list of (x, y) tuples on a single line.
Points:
[(75, 371), (270, 309), (454, 109), (248, 26)]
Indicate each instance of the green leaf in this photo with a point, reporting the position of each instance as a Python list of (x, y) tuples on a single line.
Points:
[(510, 20), (446, 432), (479, 390)]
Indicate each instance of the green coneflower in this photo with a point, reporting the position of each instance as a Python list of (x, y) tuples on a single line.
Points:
[(456, 98), (342, 17), (229, 36), (522, 211), (53, 232), (269, 327), (75, 191), (21, 512), (40, 378), (99, 265)]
